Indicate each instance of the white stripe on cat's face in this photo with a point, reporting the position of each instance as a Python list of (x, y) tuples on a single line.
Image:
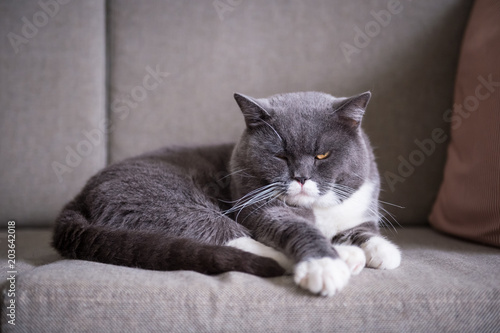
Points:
[(302, 195)]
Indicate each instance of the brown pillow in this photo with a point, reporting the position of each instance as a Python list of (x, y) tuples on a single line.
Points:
[(468, 202)]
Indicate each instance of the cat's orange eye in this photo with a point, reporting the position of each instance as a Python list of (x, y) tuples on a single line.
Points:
[(322, 156)]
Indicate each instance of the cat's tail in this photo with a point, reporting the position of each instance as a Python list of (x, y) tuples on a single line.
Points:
[(75, 238)]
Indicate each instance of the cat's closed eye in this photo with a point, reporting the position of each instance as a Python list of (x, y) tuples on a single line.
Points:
[(281, 157), (322, 156)]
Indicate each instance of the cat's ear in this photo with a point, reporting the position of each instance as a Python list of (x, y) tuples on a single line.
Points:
[(255, 114), (351, 111)]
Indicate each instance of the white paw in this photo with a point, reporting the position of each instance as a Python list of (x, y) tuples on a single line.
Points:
[(251, 245), (323, 276), (353, 256), (380, 253)]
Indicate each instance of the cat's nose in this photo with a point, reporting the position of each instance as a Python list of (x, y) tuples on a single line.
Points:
[(301, 180)]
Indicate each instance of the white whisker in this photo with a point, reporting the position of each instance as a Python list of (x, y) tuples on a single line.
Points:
[(232, 173), (265, 122), (390, 204), (271, 197), (355, 174), (249, 194), (256, 196)]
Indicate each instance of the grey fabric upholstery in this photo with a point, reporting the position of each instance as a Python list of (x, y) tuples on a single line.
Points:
[(52, 91), (443, 285), (163, 73)]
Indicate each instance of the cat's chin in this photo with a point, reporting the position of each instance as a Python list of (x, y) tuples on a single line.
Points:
[(300, 200), (302, 196)]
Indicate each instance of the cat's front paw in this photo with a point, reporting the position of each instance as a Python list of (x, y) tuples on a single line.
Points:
[(353, 256), (381, 254), (324, 276)]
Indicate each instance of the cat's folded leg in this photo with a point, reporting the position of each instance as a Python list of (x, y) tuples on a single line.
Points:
[(379, 252), (318, 267)]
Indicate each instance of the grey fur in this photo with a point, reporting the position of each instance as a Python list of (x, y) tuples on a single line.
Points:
[(284, 133), (211, 195)]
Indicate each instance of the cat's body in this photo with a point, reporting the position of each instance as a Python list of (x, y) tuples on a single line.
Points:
[(302, 180)]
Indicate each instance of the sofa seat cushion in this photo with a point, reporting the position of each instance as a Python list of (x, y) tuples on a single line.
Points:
[(443, 284)]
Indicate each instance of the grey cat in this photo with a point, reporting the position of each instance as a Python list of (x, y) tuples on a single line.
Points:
[(298, 193)]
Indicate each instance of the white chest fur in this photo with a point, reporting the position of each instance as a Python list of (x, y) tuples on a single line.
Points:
[(332, 217)]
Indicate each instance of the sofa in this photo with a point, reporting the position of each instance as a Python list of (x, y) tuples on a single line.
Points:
[(88, 83)]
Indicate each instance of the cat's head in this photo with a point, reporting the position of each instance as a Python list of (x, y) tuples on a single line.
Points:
[(301, 145)]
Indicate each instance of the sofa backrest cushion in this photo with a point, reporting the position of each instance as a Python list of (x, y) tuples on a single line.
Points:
[(53, 92), (52, 96)]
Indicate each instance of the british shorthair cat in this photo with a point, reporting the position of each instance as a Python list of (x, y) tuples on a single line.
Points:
[(298, 193)]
